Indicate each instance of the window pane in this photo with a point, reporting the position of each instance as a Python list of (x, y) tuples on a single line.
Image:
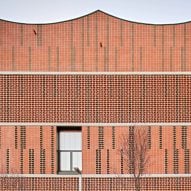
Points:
[(64, 161), (70, 141), (77, 160)]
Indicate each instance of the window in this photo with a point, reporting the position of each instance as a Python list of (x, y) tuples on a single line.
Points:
[(69, 150)]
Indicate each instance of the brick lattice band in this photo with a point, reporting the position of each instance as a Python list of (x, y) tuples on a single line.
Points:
[(95, 99)]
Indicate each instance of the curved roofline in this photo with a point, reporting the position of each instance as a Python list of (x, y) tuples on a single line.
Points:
[(116, 17)]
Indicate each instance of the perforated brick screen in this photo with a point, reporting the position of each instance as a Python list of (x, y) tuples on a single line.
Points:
[(95, 98)]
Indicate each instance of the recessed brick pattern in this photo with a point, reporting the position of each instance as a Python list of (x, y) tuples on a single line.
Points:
[(106, 99), (124, 184), (163, 160), (17, 183), (96, 42), (33, 156), (40, 160)]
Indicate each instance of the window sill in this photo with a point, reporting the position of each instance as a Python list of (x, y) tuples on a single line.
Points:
[(68, 173)]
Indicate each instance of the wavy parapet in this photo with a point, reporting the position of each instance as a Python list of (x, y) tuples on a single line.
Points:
[(97, 42)]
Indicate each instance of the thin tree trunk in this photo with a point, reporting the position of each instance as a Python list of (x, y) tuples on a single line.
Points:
[(137, 184)]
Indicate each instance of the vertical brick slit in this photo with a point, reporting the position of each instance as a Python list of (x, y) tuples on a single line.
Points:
[(88, 137), (108, 162), (121, 32), (39, 35), (88, 29), (184, 137), (30, 58), (13, 58), (163, 49), (8, 161), (23, 146), (16, 137), (113, 137), (166, 161), (132, 47), (52, 150), (186, 161), (82, 44), (141, 58), (72, 48), (176, 162), (49, 58), (122, 164), (96, 40), (58, 58), (101, 137), (154, 36), (116, 58), (21, 31), (23, 137), (160, 137), (42, 153), (131, 149), (21, 161), (98, 161), (31, 161), (149, 137)]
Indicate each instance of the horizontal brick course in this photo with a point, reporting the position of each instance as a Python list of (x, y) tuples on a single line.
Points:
[(18, 183), (95, 98)]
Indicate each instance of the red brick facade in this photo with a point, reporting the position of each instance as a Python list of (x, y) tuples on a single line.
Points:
[(96, 98), (96, 42), (117, 97), (93, 184), (31, 151), (164, 142)]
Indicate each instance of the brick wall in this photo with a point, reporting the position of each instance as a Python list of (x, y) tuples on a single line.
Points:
[(95, 98), (33, 150), (96, 42), (122, 184), (169, 150), (18, 183), (28, 150), (93, 184)]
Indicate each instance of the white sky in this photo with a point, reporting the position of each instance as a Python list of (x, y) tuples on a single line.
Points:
[(48, 11)]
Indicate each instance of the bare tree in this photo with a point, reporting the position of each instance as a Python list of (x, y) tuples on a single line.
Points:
[(134, 150)]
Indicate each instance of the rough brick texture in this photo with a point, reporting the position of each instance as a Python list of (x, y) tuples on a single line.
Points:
[(123, 184), (95, 98), (164, 141), (18, 183), (17, 155), (93, 184), (28, 150), (96, 42)]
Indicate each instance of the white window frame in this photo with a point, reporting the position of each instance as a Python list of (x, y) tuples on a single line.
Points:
[(70, 151)]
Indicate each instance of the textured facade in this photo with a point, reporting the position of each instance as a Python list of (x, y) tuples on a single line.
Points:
[(103, 77), (96, 98), (95, 43)]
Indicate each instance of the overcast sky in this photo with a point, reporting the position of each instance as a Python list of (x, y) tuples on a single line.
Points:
[(48, 11)]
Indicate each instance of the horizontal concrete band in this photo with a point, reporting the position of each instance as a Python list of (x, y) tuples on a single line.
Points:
[(92, 73), (94, 124), (95, 175)]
